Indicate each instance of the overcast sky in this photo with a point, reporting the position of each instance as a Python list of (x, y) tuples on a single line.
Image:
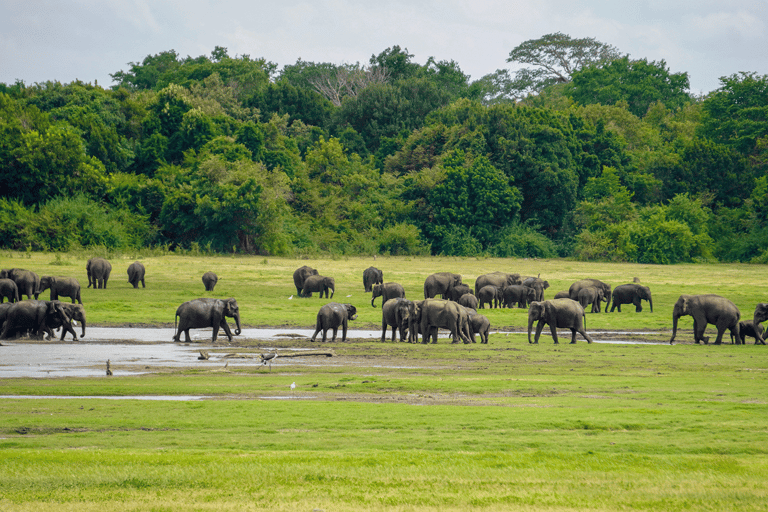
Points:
[(89, 39)]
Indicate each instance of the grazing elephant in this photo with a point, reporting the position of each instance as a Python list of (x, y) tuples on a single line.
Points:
[(479, 324), (562, 295), (386, 291), (517, 293), (563, 313), (8, 289), (491, 295), (319, 284), (333, 315), (457, 292), (497, 279), (591, 295), (136, 273), (395, 312), (300, 275), (429, 315), (200, 313), (760, 315), (372, 276), (749, 328), (61, 286), (209, 281), (27, 282), (468, 300), (573, 291), (631, 293), (441, 284), (98, 270), (707, 309), (537, 284), (36, 317)]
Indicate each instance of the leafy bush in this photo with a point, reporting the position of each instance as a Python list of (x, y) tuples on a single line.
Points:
[(521, 241)]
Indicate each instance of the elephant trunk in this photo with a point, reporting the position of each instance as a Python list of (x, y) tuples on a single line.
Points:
[(332, 290), (650, 303), (675, 316), (530, 327), (237, 323), (82, 334), (373, 299)]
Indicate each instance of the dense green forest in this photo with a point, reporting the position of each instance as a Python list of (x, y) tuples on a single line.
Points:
[(583, 152)]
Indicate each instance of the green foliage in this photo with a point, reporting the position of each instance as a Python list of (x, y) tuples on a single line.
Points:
[(521, 241)]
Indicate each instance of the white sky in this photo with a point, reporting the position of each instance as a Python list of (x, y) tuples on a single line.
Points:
[(65, 40)]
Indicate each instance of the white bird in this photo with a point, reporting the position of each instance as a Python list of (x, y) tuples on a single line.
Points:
[(291, 297), (293, 386), (349, 295)]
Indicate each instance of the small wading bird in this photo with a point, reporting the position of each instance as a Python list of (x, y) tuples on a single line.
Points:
[(267, 358), (293, 387)]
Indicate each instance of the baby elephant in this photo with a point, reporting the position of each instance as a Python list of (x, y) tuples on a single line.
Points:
[(333, 315), (747, 328)]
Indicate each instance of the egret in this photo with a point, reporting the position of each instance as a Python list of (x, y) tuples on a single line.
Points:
[(293, 387)]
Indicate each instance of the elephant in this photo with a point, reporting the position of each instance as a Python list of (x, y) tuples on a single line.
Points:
[(386, 291), (537, 284), (98, 270), (479, 324), (333, 315), (631, 293), (591, 295), (760, 315), (319, 284), (497, 279), (200, 313), (428, 315), (61, 286), (4, 307), (75, 312), (27, 282), (491, 295), (209, 281), (563, 313), (469, 301), (372, 276), (707, 309), (573, 291), (395, 312), (441, 284), (562, 295), (36, 317), (8, 289), (300, 275), (517, 293), (749, 328), (136, 273), (457, 292)]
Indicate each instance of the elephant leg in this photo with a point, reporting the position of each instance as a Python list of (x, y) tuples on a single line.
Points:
[(583, 333), (225, 326), (573, 336), (539, 328), (335, 332), (553, 328)]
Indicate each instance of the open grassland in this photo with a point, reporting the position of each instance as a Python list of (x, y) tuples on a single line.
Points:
[(503, 426)]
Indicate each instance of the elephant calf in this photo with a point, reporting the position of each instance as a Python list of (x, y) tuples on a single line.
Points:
[(61, 286), (491, 295), (333, 315), (479, 324), (320, 284), (386, 291), (395, 312), (748, 328), (136, 273)]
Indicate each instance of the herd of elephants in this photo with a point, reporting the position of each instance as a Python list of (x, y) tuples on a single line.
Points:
[(448, 304)]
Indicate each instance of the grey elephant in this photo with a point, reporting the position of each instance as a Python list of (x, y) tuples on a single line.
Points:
[(201, 313), (320, 284), (479, 324), (4, 307), (760, 315), (573, 291), (562, 295), (395, 313), (372, 276), (707, 309), (136, 273), (497, 279), (209, 281), (749, 328), (518, 294), (593, 296), (9, 290), (300, 275), (36, 317), (27, 282), (491, 295), (441, 284), (468, 300), (557, 313), (333, 315), (386, 291), (98, 270), (538, 284), (61, 287), (631, 293), (429, 315), (457, 292), (74, 312)]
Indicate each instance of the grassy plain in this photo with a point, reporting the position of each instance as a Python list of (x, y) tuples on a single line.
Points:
[(503, 426)]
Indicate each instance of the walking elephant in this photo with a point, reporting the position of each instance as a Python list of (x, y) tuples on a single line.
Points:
[(538, 284), (591, 295), (320, 284), (707, 309), (760, 315), (479, 324), (300, 275), (518, 294), (37, 317), (631, 293), (9, 290), (75, 313), (395, 313), (441, 284), (201, 313), (372, 276), (27, 282), (429, 315), (491, 295), (61, 287), (573, 291), (209, 281), (749, 328), (497, 279), (562, 313), (136, 273), (333, 315), (386, 291), (98, 270)]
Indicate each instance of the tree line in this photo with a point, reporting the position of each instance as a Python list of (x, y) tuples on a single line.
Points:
[(583, 152)]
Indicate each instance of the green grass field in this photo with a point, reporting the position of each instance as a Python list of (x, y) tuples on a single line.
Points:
[(503, 426)]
